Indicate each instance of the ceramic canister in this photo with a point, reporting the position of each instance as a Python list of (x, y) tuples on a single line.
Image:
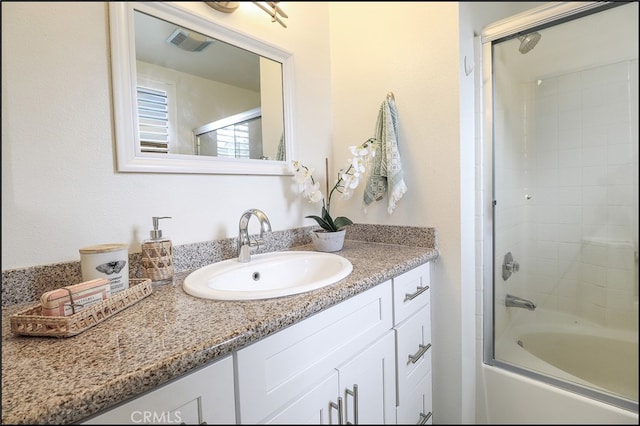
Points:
[(109, 261)]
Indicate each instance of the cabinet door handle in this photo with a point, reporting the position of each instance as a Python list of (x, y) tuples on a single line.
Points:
[(354, 394), (419, 291), (421, 351), (338, 407), (424, 418)]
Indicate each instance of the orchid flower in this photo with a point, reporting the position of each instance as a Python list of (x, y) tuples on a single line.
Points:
[(348, 179)]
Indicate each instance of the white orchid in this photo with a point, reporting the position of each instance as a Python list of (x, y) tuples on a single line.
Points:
[(348, 180)]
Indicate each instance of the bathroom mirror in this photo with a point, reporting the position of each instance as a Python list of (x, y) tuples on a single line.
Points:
[(192, 96)]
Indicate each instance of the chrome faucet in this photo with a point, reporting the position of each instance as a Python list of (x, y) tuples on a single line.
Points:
[(518, 302), (244, 242)]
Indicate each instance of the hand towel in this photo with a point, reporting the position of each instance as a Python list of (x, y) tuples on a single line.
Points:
[(386, 175)]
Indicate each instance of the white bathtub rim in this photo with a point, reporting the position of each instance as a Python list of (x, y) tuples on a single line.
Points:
[(555, 401), (552, 321)]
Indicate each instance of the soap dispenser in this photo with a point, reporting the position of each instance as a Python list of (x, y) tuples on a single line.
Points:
[(157, 256)]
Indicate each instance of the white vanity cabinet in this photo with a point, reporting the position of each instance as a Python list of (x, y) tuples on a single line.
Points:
[(339, 362), (205, 396), (412, 325), (366, 360)]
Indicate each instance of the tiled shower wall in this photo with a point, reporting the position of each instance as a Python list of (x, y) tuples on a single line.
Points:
[(580, 172)]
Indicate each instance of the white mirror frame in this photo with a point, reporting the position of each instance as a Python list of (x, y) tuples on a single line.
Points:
[(123, 64)]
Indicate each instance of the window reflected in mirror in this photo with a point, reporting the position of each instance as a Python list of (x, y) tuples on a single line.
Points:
[(237, 136), (197, 95)]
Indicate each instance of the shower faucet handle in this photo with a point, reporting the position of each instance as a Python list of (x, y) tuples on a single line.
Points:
[(512, 266), (509, 266)]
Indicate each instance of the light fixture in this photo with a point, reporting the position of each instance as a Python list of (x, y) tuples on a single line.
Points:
[(271, 7)]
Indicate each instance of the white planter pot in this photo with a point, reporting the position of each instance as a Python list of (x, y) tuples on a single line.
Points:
[(328, 241)]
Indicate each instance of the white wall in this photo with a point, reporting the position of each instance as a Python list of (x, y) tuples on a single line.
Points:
[(60, 190), (412, 50)]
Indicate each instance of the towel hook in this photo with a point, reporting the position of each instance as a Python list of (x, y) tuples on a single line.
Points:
[(390, 96)]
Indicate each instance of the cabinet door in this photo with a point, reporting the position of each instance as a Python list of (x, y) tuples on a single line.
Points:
[(312, 407), (204, 396), (367, 384), (277, 369)]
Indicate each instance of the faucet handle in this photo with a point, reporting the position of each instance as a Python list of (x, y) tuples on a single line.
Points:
[(257, 242), (512, 266), (245, 242), (509, 266)]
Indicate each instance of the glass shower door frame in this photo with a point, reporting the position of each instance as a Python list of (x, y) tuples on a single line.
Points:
[(542, 17)]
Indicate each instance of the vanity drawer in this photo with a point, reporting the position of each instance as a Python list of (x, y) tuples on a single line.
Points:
[(413, 356), (411, 292), (417, 407)]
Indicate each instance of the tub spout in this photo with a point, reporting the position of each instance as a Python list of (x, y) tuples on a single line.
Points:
[(518, 302)]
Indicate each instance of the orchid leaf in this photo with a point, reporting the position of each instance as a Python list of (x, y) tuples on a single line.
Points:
[(341, 221), (323, 223), (327, 218)]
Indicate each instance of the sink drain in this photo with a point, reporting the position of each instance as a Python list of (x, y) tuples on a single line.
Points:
[(256, 276)]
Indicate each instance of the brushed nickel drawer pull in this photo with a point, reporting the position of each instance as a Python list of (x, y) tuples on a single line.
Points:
[(338, 407), (421, 351), (418, 292), (424, 418)]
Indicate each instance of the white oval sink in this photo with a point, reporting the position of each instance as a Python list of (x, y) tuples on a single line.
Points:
[(267, 275)]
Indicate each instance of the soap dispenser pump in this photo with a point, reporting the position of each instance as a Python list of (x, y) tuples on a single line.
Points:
[(157, 255)]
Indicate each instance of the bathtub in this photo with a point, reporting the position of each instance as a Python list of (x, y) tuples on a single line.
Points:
[(600, 361), (566, 351)]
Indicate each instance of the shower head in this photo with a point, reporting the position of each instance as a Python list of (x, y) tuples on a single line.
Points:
[(528, 41)]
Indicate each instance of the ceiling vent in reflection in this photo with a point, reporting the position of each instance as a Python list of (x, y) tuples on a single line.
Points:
[(191, 42)]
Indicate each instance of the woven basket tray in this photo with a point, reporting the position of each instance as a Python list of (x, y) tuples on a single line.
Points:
[(30, 321)]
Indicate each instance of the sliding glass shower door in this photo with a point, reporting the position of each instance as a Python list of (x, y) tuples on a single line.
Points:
[(565, 201)]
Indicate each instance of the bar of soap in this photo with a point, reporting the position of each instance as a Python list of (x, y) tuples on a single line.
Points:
[(72, 299)]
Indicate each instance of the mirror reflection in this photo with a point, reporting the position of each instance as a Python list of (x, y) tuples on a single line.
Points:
[(197, 95)]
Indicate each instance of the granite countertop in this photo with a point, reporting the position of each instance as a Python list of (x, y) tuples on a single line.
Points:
[(64, 380)]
